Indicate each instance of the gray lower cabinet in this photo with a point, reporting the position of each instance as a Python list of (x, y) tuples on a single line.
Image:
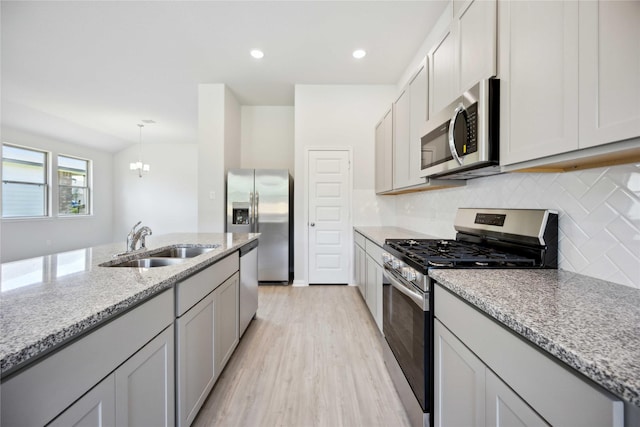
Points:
[(470, 394), (96, 408), (145, 385), (486, 375), (374, 289), (369, 274), (459, 382), (196, 366), (504, 408), (207, 332), (360, 275), (125, 364), (139, 393), (129, 372), (226, 300)]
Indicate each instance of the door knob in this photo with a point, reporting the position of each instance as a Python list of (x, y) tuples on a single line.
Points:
[(313, 224)]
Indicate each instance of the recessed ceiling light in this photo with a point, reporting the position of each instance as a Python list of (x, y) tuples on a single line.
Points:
[(256, 53), (359, 53)]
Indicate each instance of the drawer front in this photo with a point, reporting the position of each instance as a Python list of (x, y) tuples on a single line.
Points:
[(359, 239), (196, 287), (374, 251)]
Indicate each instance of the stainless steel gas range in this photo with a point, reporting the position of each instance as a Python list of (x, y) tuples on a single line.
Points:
[(486, 238)]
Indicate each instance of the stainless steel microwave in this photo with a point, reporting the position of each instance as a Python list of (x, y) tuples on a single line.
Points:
[(461, 141)]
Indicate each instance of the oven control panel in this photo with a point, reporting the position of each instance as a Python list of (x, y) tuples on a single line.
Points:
[(400, 269), (490, 219)]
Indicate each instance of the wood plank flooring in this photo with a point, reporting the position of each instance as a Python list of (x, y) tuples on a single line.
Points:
[(312, 357)]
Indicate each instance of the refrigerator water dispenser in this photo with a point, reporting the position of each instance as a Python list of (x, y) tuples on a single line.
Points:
[(240, 213)]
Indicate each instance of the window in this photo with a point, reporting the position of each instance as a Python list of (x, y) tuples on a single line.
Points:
[(73, 186), (24, 182)]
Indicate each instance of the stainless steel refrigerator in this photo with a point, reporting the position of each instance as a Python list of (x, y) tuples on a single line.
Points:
[(261, 201)]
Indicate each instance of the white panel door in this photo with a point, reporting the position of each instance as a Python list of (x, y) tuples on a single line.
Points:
[(329, 211)]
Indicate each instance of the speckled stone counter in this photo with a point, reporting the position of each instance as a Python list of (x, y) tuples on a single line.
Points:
[(47, 301), (379, 234), (590, 324)]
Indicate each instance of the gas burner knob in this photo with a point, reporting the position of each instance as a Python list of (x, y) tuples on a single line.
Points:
[(386, 257), (409, 273), (396, 264)]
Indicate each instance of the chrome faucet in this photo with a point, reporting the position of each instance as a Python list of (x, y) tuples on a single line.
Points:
[(136, 236)]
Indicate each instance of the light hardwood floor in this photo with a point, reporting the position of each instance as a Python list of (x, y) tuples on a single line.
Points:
[(312, 357)]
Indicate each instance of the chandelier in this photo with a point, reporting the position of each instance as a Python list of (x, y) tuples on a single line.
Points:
[(139, 166)]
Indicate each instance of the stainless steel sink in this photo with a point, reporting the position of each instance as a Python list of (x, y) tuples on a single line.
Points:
[(149, 262), (163, 257), (185, 251)]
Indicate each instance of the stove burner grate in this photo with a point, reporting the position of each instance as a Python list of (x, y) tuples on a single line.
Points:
[(452, 253)]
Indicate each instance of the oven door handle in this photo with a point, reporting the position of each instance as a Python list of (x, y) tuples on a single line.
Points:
[(416, 297)]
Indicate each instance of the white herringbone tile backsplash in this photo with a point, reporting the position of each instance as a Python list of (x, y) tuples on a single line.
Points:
[(599, 214)]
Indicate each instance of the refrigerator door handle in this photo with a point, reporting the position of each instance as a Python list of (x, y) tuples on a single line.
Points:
[(251, 220), (257, 213)]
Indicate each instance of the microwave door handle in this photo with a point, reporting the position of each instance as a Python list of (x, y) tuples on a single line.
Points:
[(452, 124)]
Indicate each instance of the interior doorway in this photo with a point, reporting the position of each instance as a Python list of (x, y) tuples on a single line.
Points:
[(329, 207)]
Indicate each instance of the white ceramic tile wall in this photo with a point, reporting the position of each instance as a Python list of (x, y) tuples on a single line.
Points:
[(599, 214)]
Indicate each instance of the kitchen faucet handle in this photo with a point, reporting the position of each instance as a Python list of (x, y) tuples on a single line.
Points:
[(133, 229)]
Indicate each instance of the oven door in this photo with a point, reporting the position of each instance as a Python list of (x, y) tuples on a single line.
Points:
[(406, 327)]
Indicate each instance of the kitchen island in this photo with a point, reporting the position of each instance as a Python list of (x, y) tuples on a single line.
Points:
[(589, 325), (77, 306)]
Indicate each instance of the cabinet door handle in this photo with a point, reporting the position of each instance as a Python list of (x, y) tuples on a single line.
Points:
[(313, 224)]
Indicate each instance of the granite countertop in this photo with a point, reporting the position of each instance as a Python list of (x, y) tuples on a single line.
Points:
[(49, 300), (589, 324), (379, 234)]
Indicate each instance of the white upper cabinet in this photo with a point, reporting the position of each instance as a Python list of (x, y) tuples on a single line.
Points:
[(419, 98), (475, 26), (465, 53), (409, 118), (384, 154), (570, 84), (539, 79), (442, 72), (401, 139), (609, 72)]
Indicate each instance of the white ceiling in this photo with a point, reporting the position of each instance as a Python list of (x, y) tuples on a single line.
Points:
[(87, 72)]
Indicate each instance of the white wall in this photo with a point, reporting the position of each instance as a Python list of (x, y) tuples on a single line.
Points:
[(210, 155), (218, 150), (25, 238), (232, 132), (165, 198), (268, 137), (339, 116)]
